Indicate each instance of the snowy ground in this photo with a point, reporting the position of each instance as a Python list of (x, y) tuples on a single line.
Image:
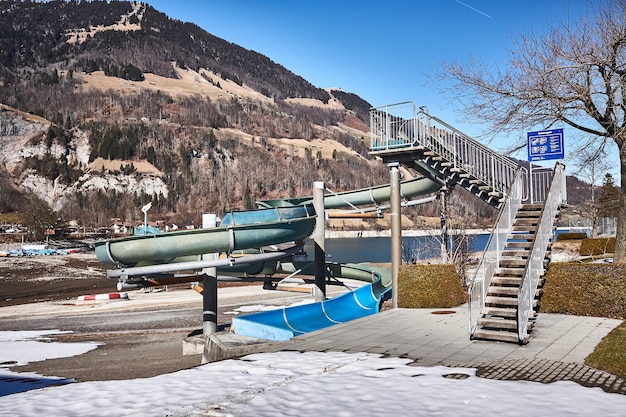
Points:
[(286, 384)]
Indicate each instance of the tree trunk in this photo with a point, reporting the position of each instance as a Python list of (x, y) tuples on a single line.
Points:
[(620, 239)]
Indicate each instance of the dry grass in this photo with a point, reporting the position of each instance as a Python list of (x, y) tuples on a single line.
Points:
[(610, 354), (597, 246)]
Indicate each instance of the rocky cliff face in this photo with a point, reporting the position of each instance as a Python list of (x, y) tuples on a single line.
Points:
[(23, 142)]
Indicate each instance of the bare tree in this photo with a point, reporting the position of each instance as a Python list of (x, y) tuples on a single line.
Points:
[(592, 164), (37, 215), (574, 73)]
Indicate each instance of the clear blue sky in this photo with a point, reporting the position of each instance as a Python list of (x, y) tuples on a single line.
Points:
[(385, 52)]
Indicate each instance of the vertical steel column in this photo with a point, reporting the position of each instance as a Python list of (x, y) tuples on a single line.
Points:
[(444, 225), (319, 238), (396, 230), (209, 288)]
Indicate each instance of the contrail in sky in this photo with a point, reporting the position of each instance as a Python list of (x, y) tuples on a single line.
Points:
[(472, 8)]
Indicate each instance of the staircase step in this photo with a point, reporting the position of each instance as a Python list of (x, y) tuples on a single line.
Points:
[(504, 302), (527, 214), (495, 291), (513, 253), (500, 301), (497, 323), (526, 220), (499, 335), (521, 236), (531, 207), (510, 272), (510, 281), (525, 245), (513, 262), (499, 312), (520, 228)]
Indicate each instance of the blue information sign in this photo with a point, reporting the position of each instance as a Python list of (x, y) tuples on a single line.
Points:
[(545, 144)]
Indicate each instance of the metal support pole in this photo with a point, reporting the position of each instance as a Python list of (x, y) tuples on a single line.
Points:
[(209, 287), (444, 226), (319, 238), (396, 230)]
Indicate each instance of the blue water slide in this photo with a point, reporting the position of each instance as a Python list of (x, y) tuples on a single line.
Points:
[(284, 323)]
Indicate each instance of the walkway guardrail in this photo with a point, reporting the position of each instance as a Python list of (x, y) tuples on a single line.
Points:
[(535, 266), (399, 126), (540, 183), (477, 290)]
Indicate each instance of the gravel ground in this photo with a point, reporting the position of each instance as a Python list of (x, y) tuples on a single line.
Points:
[(40, 292), (32, 279)]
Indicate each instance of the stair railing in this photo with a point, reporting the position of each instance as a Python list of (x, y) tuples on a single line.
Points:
[(535, 267), (490, 261), (398, 126), (469, 155)]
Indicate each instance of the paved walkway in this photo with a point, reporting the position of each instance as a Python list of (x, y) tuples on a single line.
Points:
[(556, 351)]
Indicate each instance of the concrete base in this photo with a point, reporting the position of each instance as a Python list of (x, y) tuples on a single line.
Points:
[(220, 346), (193, 345)]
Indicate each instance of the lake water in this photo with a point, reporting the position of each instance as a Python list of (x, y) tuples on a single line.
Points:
[(378, 249)]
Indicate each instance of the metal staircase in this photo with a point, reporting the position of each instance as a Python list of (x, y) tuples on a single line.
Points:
[(498, 319), (438, 150), (502, 294)]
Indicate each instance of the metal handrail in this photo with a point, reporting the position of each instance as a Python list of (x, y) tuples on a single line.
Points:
[(535, 266), (490, 261), (399, 126)]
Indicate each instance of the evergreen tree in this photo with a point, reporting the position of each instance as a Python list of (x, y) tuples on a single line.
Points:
[(609, 197)]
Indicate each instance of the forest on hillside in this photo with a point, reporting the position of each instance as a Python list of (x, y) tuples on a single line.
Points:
[(196, 143)]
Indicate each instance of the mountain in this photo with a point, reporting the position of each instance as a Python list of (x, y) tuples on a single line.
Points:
[(108, 105)]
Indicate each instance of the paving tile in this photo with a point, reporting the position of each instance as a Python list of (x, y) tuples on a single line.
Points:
[(556, 351)]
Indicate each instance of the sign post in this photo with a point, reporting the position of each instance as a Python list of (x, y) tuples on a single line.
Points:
[(544, 145)]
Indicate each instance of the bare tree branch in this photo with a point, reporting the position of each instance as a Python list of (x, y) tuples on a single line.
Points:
[(573, 73)]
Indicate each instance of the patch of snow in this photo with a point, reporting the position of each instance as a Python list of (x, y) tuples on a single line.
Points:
[(303, 384), (23, 347)]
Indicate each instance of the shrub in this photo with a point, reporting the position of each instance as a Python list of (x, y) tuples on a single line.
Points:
[(429, 286), (585, 290), (597, 246), (571, 236)]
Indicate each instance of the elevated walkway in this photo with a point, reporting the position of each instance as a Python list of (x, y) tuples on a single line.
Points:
[(503, 291), (438, 150)]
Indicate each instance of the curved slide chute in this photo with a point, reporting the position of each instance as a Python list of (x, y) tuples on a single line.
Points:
[(237, 230), (366, 196), (284, 323), (281, 221)]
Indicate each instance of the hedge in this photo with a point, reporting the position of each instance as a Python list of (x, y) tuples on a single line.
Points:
[(430, 286)]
